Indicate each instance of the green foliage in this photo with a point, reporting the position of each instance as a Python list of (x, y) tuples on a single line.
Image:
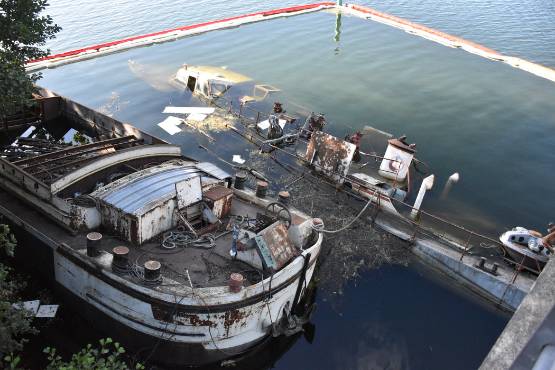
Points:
[(80, 138), (7, 240), (23, 30), (11, 361), (13, 323), (106, 357)]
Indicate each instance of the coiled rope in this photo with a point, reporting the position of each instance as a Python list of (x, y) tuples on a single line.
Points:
[(185, 239)]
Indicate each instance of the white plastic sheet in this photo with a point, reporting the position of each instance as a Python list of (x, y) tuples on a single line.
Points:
[(196, 117), (47, 310), (189, 110), (170, 125), (238, 159)]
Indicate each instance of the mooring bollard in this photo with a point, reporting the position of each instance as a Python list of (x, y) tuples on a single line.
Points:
[(152, 270), (284, 196), (94, 240), (120, 261), (240, 179), (236, 282), (482, 262), (261, 189)]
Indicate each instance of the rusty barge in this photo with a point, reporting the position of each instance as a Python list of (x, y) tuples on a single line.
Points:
[(153, 246)]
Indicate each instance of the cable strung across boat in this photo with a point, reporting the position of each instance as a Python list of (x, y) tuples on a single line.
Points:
[(320, 227)]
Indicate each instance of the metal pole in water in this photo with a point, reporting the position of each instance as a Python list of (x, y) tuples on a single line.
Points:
[(453, 179), (427, 184), (337, 35)]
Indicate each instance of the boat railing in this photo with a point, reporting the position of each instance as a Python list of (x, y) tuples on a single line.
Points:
[(22, 178), (456, 236)]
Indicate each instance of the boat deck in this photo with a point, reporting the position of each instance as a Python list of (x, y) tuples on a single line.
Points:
[(207, 267)]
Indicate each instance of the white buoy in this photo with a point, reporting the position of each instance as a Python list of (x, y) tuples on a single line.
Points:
[(453, 179), (427, 184)]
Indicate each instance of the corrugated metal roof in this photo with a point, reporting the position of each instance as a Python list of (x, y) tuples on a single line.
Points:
[(213, 170), (133, 196), (154, 185)]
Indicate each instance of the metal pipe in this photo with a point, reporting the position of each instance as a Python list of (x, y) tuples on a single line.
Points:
[(453, 179), (427, 184)]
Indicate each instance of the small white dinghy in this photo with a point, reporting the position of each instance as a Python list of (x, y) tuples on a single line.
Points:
[(528, 247)]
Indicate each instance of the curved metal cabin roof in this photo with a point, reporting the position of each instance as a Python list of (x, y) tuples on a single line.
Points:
[(138, 192)]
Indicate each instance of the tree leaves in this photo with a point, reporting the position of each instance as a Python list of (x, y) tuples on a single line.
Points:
[(23, 30), (105, 357), (14, 323)]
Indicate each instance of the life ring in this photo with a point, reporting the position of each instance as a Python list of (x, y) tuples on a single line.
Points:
[(395, 164)]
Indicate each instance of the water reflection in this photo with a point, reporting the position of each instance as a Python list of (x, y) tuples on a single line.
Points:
[(376, 347)]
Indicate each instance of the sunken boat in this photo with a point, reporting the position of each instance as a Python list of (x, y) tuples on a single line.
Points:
[(371, 163), (151, 246)]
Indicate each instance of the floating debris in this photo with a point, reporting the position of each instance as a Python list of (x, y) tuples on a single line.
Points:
[(238, 159), (188, 110), (170, 125), (47, 310), (36, 309)]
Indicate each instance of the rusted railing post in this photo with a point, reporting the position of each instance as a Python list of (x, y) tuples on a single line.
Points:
[(463, 253), (378, 205), (518, 269), (417, 225)]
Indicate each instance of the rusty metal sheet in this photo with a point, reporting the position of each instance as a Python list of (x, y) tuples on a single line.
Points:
[(220, 199), (218, 192), (330, 155), (274, 244)]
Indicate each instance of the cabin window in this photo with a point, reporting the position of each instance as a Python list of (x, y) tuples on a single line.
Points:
[(512, 237), (191, 83), (520, 239), (217, 88)]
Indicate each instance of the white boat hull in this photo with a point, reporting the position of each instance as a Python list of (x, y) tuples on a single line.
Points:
[(210, 320)]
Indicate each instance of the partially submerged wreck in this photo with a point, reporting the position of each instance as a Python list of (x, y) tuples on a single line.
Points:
[(333, 157), (374, 166), (151, 243)]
